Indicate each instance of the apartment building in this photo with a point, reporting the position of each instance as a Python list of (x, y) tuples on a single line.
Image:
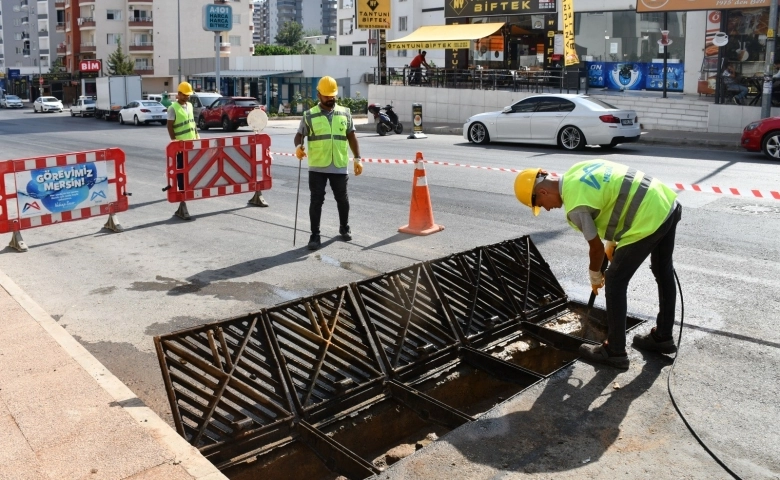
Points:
[(28, 36), (147, 31), (260, 19), (314, 15)]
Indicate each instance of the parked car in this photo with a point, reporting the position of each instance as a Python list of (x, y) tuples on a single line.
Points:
[(11, 101), (571, 121), (763, 136), (228, 112), (143, 111), (83, 107), (47, 104), (199, 100)]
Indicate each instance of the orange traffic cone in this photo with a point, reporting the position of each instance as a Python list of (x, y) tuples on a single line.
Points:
[(420, 211)]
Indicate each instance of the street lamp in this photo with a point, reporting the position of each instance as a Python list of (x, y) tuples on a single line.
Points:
[(32, 11)]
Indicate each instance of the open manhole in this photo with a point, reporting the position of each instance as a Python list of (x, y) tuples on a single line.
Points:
[(345, 382)]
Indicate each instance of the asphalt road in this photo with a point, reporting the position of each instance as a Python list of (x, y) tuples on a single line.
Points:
[(114, 292)]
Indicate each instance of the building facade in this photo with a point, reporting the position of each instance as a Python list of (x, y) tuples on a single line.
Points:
[(260, 19), (29, 33)]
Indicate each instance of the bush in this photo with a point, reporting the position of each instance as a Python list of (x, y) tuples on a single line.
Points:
[(355, 105)]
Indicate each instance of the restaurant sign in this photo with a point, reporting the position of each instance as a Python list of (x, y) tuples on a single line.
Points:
[(373, 14), (483, 8), (643, 6), (433, 45)]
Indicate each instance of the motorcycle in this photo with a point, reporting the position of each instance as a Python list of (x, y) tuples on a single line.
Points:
[(386, 119)]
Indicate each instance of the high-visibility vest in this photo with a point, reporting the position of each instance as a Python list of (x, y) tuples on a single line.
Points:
[(328, 140), (631, 204), (184, 125)]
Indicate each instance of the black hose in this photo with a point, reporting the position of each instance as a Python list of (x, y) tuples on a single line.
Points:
[(671, 396)]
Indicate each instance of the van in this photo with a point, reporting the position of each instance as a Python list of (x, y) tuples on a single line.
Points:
[(155, 97)]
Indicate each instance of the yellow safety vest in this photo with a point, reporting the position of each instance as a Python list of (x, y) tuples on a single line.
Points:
[(631, 204), (328, 140), (184, 125)]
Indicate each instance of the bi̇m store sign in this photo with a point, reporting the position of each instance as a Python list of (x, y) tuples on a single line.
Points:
[(486, 8)]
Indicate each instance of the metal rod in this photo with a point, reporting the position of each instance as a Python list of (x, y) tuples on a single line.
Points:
[(178, 33), (216, 60), (297, 196), (766, 96), (666, 48)]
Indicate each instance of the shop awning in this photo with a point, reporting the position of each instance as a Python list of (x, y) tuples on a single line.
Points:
[(247, 73), (444, 36)]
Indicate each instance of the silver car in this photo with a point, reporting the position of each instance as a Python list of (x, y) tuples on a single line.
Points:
[(11, 101), (200, 100)]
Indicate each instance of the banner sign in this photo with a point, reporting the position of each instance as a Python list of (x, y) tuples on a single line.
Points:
[(373, 13), (417, 118), (570, 53), (59, 189), (644, 6), (635, 76), (448, 44), (483, 8)]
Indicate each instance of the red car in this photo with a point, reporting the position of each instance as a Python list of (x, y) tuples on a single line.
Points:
[(763, 135), (227, 112)]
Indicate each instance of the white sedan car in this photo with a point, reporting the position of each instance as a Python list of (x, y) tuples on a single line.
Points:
[(143, 111), (47, 104), (568, 120), (11, 101)]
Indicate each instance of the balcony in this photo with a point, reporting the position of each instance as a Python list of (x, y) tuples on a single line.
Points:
[(142, 22), (141, 46), (86, 23), (61, 49), (144, 69), (59, 3), (60, 27), (141, 1), (224, 47), (88, 47), (43, 33)]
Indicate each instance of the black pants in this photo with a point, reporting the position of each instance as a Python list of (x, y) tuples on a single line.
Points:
[(338, 183), (625, 262)]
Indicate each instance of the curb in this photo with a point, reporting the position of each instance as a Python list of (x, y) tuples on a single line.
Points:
[(188, 456)]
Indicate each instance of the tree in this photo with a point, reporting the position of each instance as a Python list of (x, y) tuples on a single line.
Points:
[(263, 50), (57, 67), (119, 63), (290, 34)]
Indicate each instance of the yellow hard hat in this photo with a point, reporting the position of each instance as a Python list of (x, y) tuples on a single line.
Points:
[(185, 88), (328, 87), (524, 187)]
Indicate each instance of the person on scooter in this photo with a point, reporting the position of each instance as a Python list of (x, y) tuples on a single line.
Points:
[(416, 66)]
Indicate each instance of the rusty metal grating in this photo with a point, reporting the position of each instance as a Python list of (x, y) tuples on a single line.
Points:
[(325, 349), (245, 386), (406, 317), (224, 383)]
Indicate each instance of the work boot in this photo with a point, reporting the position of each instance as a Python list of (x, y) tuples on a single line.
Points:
[(600, 354), (346, 233), (314, 242), (650, 343)]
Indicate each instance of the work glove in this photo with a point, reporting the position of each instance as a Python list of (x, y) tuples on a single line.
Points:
[(596, 281), (358, 167), (609, 249), (300, 152)]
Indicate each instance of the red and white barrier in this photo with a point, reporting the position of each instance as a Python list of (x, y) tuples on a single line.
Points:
[(40, 191), (740, 192)]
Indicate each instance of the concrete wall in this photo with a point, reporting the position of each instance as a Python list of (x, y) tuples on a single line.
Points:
[(444, 105)]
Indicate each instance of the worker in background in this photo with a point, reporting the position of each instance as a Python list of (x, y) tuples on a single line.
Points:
[(416, 67), (328, 128), (181, 124), (638, 216)]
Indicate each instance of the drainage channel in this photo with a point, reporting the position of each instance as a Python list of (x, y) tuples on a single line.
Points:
[(344, 382)]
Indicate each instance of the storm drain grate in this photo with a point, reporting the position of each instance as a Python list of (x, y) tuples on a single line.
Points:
[(243, 387)]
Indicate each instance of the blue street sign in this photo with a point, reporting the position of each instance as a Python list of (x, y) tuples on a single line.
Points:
[(13, 73), (217, 18)]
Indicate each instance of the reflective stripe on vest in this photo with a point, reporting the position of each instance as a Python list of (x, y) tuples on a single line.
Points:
[(184, 125), (327, 140), (631, 205)]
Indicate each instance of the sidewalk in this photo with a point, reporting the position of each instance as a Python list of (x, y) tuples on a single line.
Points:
[(655, 137), (64, 416)]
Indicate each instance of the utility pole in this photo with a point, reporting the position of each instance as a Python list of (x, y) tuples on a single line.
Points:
[(766, 95)]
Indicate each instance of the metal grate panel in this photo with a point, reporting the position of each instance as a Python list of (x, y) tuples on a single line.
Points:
[(406, 317), (223, 382), (325, 351)]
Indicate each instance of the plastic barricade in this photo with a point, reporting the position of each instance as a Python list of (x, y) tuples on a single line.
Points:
[(40, 191), (216, 167)]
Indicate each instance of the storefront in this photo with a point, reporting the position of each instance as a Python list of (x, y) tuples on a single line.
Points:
[(623, 50), (525, 40), (270, 88)]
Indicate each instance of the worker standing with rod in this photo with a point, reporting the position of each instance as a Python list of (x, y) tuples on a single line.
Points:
[(329, 129)]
